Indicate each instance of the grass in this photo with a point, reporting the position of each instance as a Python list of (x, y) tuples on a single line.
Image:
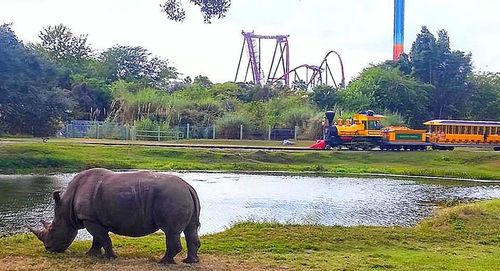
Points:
[(463, 237), (34, 157)]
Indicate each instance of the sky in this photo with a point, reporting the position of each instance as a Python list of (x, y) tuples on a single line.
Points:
[(360, 30)]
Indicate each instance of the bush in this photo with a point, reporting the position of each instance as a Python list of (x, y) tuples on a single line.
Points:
[(151, 125), (229, 126), (314, 128), (296, 116), (393, 119)]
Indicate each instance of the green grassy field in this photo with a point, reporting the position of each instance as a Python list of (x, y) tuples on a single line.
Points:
[(464, 237), (32, 157)]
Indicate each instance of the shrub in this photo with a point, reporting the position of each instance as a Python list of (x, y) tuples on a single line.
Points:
[(229, 126)]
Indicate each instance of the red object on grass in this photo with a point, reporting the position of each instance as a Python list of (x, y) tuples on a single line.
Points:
[(319, 145)]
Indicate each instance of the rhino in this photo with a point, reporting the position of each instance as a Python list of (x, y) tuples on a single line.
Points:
[(128, 203)]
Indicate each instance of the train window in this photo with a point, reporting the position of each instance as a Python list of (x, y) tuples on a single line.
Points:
[(374, 125), (481, 131), (473, 130)]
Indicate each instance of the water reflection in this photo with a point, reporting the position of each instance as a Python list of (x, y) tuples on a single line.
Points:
[(24, 199), (228, 198)]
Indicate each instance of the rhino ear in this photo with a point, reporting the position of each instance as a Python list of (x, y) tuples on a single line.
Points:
[(57, 196)]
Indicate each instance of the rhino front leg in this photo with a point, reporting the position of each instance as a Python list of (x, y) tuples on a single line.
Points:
[(95, 250), (102, 236), (173, 248)]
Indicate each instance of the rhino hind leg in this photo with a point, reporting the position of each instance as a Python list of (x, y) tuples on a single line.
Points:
[(173, 247), (96, 249), (102, 236), (193, 244)]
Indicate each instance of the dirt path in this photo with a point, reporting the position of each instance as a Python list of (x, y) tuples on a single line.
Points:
[(208, 262)]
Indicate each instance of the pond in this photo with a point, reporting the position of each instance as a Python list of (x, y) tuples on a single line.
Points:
[(229, 198)]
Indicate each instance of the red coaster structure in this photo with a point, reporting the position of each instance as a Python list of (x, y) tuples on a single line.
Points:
[(279, 71)]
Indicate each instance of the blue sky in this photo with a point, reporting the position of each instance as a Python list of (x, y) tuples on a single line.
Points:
[(360, 30)]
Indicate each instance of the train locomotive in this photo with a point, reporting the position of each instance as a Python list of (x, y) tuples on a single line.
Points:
[(364, 131)]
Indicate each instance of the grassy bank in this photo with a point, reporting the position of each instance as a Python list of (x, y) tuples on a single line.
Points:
[(53, 157), (465, 237)]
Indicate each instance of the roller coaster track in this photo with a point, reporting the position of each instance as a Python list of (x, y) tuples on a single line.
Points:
[(303, 76)]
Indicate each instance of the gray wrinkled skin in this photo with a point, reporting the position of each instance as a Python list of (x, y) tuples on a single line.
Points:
[(130, 204)]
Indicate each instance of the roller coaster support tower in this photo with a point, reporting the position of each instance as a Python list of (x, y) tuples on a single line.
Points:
[(281, 57)]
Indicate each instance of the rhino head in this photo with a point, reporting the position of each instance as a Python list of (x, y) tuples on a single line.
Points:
[(57, 235)]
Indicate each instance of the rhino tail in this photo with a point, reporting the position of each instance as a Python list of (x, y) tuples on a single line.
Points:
[(195, 219)]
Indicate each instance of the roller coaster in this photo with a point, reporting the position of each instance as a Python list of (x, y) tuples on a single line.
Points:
[(306, 76)]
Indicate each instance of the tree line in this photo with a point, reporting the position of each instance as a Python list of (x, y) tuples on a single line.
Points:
[(61, 77)]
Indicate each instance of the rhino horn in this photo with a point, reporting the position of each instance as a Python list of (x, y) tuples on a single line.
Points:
[(37, 233), (45, 223)]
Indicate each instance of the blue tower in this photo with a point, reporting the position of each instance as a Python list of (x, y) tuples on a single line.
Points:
[(399, 28)]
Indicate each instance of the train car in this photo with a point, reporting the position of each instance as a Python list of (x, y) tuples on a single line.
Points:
[(447, 134), (403, 138)]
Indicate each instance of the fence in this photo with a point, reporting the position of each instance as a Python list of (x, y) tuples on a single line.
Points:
[(110, 130), (97, 130)]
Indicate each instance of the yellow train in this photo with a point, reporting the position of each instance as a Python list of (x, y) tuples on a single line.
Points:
[(364, 131), (453, 133)]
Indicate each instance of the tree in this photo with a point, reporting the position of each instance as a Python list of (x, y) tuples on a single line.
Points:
[(380, 89), (62, 45), (203, 81), (423, 56), (325, 97), (136, 64), (404, 64), (434, 63), (484, 103), (210, 9), (93, 98), (30, 100)]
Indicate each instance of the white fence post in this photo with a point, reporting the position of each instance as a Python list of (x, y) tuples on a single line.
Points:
[(269, 134), (213, 132), (295, 132), (241, 132), (187, 131), (159, 131)]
